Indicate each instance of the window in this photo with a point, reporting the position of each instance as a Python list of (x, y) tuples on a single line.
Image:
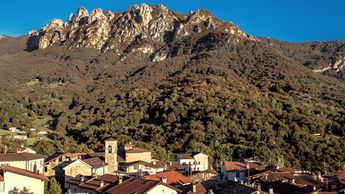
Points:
[(237, 174), (110, 149), (2, 187), (45, 169)]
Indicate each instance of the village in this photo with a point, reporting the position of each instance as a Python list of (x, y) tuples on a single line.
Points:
[(126, 168)]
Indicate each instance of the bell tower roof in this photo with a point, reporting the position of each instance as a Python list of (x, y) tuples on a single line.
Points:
[(110, 139)]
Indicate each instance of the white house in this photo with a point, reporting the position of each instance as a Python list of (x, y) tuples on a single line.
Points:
[(193, 161), (13, 129), (42, 133), (239, 171), (27, 161), (13, 180)]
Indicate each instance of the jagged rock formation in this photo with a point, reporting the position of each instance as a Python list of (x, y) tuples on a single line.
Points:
[(104, 30)]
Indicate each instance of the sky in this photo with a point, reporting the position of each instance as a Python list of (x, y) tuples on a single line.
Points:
[(289, 20)]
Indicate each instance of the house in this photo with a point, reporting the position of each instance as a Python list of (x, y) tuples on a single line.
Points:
[(194, 188), (90, 167), (230, 187), (193, 161), (206, 175), (42, 133), (26, 150), (93, 185), (179, 181), (21, 137), (27, 161), (54, 164), (14, 130), (131, 154), (142, 167), (142, 186), (239, 171), (13, 179)]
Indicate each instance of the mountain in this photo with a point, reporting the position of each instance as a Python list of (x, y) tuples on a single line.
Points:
[(178, 82)]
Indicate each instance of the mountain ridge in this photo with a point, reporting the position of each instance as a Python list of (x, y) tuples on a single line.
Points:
[(229, 95)]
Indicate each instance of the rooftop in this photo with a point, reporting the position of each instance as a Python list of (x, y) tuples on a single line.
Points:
[(23, 172), (19, 157), (95, 162), (173, 177), (133, 186)]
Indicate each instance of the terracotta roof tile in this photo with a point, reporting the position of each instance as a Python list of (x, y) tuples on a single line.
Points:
[(132, 186), (188, 189), (19, 157), (23, 172), (95, 162), (137, 150), (173, 177), (229, 166), (184, 156)]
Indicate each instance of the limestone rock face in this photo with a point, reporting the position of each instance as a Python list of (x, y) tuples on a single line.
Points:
[(142, 28)]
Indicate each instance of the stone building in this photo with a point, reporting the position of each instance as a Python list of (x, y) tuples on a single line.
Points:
[(110, 154)]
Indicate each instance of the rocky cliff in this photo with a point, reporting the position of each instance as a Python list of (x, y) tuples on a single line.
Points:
[(147, 27)]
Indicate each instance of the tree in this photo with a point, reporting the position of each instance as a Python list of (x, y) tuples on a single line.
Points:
[(54, 187), (25, 191)]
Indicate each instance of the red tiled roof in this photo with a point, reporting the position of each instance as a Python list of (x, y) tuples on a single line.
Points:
[(235, 165), (23, 172), (287, 169), (270, 176), (95, 162), (173, 177), (185, 156), (134, 186), (229, 166), (341, 176), (19, 157), (188, 189), (137, 150)]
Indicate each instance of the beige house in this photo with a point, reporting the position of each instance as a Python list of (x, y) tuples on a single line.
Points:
[(91, 167), (193, 161), (27, 161), (143, 168), (54, 164), (132, 154), (13, 180)]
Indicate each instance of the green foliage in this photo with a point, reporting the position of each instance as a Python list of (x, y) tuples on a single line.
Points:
[(25, 191), (53, 187)]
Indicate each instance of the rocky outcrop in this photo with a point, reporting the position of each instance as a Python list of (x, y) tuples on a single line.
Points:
[(104, 30)]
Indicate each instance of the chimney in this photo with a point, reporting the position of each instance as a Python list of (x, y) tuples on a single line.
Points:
[(82, 179), (101, 184), (293, 181), (170, 163), (270, 190), (210, 191), (319, 177), (120, 179), (259, 187), (194, 187), (163, 180), (154, 162)]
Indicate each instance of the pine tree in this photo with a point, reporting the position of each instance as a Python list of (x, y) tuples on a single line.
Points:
[(54, 187)]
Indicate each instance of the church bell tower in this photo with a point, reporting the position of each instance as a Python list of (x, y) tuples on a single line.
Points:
[(110, 153)]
